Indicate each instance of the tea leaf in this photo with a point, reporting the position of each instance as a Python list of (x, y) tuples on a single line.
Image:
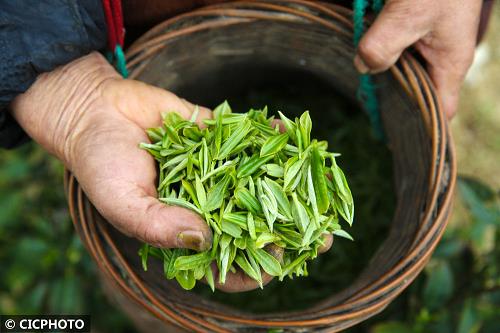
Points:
[(240, 243), (273, 170), (252, 261), (243, 263), (239, 133), (245, 199), (192, 261), (251, 165), (264, 128), (341, 184), (204, 158), (311, 228), (294, 264), (268, 263), (154, 134), (223, 265), (251, 186), (305, 128), (169, 265), (172, 134), (291, 237), (289, 126), (181, 203), (143, 253), (237, 219), (319, 180), (231, 229), (200, 192), (312, 195), (273, 145), (265, 238), (269, 203), (346, 210), (292, 168), (170, 176), (222, 168), (251, 225), (173, 161), (280, 195), (300, 214), (223, 111), (186, 279), (209, 277), (216, 194), (343, 233)]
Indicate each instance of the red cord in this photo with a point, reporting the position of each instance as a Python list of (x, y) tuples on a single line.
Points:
[(114, 21), (119, 27)]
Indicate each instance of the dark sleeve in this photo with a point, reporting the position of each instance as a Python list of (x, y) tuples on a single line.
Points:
[(35, 37)]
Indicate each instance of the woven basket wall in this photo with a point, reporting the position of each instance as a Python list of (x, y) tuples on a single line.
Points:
[(191, 55)]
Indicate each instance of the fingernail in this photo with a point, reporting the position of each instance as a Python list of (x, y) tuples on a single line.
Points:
[(360, 65), (194, 240)]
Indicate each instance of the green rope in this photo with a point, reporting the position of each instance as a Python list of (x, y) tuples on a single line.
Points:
[(359, 8), (117, 59), (377, 5), (121, 63), (366, 90)]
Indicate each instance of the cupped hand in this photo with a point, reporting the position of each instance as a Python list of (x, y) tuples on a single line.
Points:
[(90, 118), (444, 32), (93, 120)]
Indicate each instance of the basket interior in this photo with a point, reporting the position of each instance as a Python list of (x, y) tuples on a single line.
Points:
[(209, 66)]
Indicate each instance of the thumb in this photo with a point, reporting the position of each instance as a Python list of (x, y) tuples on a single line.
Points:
[(138, 214), (145, 104), (399, 25), (119, 178)]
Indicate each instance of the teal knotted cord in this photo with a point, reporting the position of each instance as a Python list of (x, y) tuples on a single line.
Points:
[(366, 90), (377, 5), (121, 63), (117, 59)]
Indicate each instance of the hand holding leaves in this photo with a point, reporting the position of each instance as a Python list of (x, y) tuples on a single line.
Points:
[(260, 184)]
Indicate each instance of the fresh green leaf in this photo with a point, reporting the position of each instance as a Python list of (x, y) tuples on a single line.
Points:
[(274, 144)]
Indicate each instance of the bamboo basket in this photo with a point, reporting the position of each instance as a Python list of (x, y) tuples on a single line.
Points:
[(182, 54)]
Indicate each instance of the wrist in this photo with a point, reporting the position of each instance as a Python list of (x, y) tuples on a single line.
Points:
[(54, 110)]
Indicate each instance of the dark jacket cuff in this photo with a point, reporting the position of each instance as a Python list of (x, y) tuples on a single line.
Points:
[(38, 36)]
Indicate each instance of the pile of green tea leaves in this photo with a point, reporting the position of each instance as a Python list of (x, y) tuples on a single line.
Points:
[(254, 186)]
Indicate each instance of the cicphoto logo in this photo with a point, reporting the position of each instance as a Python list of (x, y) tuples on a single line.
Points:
[(54, 323)]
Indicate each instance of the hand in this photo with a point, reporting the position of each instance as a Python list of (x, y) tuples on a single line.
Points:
[(93, 120), (443, 31)]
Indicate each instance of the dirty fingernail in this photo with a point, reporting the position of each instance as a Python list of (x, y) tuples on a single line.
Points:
[(194, 240), (360, 65)]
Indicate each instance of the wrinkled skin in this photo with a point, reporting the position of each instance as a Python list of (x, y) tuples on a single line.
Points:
[(443, 31), (93, 121)]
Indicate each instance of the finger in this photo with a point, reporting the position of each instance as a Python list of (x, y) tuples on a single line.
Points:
[(399, 25), (278, 122), (447, 86), (140, 215), (327, 243), (119, 178), (450, 51), (145, 104)]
